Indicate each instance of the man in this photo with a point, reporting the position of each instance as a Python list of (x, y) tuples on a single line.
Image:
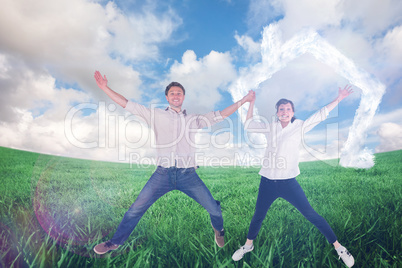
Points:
[(174, 135)]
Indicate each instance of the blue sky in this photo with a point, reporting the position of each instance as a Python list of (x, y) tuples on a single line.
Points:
[(49, 50)]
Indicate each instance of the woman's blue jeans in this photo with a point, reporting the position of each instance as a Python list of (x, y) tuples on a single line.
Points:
[(164, 180), (291, 191)]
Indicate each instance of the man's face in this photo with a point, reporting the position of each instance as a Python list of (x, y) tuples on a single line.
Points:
[(175, 97)]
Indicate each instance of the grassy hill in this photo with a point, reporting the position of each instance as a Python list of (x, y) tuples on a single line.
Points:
[(53, 210)]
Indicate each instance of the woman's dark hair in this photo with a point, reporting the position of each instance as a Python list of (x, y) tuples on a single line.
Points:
[(285, 101), (174, 84)]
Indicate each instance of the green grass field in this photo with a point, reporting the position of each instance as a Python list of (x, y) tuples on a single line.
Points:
[(54, 210)]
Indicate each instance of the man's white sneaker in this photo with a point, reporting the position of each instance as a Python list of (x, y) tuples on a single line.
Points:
[(344, 254), (238, 255)]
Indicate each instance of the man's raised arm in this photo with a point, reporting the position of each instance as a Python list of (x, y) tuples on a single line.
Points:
[(233, 108), (102, 84)]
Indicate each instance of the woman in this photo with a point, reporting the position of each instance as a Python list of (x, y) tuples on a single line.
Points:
[(281, 166)]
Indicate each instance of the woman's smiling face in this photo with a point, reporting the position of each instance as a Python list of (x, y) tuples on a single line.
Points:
[(285, 113)]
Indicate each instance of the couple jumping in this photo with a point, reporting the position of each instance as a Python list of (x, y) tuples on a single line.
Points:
[(174, 129)]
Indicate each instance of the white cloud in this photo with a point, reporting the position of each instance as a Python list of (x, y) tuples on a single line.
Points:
[(299, 81), (391, 45), (24, 88), (202, 78), (321, 152), (353, 44), (394, 116), (372, 17), (367, 18), (46, 46), (276, 55), (252, 48), (137, 37), (315, 14), (384, 130), (71, 39), (39, 120), (390, 137), (50, 49), (262, 12), (383, 123), (34, 112), (389, 57), (105, 134), (368, 32)]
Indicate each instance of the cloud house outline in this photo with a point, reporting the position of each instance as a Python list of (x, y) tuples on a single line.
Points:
[(276, 55)]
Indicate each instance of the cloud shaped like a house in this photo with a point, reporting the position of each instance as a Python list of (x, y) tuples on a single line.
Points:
[(276, 55)]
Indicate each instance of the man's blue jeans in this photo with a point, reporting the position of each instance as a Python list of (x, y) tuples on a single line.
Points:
[(162, 181)]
